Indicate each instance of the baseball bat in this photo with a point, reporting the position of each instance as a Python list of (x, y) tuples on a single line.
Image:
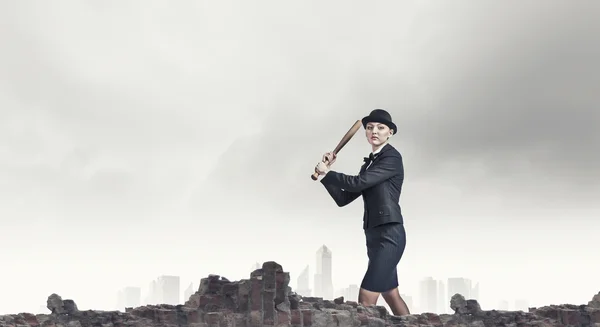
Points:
[(341, 144)]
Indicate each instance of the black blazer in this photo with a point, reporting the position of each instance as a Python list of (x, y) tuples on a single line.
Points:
[(380, 187)]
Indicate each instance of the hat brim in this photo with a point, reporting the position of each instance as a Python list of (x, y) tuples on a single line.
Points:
[(386, 122)]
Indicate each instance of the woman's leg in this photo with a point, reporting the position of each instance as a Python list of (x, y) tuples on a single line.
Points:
[(367, 298), (396, 303), (385, 246)]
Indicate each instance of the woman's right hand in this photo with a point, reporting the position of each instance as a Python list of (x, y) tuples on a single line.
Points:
[(329, 158)]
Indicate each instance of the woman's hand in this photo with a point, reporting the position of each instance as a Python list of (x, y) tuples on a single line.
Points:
[(329, 158), (322, 168)]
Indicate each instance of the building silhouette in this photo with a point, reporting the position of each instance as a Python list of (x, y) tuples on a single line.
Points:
[(152, 296), (464, 287), (169, 286), (164, 290), (434, 295), (349, 293), (323, 276), (459, 285), (303, 286), (475, 292), (503, 305), (428, 297), (255, 266), (443, 304), (522, 305), (189, 291), (129, 297)]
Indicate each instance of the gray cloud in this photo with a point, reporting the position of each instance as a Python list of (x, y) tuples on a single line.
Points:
[(523, 105), (526, 90), (501, 102), (509, 94)]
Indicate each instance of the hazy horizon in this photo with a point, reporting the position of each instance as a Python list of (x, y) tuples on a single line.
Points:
[(139, 140)]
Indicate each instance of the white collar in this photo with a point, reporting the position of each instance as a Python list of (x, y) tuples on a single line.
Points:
[(379, 149)]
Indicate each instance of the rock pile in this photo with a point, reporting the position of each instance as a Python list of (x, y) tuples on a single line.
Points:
[(266, 300)]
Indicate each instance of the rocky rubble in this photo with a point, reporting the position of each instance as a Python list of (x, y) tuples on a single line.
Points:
[(266, 300)]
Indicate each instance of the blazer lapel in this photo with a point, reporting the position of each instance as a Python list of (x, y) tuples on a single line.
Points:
[(380, 154), (363, 168), (377, 157)]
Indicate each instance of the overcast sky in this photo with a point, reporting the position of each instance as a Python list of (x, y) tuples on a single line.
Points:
[(139, 138)]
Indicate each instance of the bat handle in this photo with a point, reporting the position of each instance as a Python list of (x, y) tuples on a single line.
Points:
[(315, 175)]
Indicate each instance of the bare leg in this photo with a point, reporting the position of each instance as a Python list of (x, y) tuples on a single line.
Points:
[(396, 303), (367, 298)]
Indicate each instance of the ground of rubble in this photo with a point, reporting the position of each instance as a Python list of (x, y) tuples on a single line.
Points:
[(266, 300)]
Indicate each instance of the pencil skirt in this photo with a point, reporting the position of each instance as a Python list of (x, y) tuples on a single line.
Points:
[(385, 246)]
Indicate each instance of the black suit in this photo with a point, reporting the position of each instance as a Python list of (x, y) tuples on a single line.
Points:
[(380, 186)]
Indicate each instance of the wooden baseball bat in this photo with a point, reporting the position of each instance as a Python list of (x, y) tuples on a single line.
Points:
[(340, 145)]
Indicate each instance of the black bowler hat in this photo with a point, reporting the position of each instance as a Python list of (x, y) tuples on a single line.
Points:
[(379, 116)]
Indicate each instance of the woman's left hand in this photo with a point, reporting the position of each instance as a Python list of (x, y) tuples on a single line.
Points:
[(322, 168)]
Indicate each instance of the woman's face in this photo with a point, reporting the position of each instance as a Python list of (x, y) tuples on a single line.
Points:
[(377, 133)]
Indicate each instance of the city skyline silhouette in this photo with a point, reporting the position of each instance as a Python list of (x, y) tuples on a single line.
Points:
[(436, 301)]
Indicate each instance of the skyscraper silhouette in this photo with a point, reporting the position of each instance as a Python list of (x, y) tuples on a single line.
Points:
[(189, 291), (464, 287), (442, 302), (164, 290), (522, 305), (169, 289), (323, 274), (129, 297), (475, 292), (351, 293), (428, 297), (303, 287), (152, 296)]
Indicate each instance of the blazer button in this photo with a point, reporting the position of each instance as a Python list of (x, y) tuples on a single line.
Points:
[(381, 212)]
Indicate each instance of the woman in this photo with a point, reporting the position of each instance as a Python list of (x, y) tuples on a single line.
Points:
[(380, 184)]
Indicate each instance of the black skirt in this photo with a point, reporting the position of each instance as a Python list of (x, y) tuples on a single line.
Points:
[(385, 246)]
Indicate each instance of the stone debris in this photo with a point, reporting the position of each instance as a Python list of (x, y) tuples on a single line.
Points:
[(595, 302), (266, 300)]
